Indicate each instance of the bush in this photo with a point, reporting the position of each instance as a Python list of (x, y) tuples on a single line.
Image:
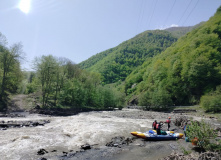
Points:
[(215, 147), (201, 131), (212, 101)]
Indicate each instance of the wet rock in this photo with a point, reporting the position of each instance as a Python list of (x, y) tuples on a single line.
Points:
[(35, 123), (3, 129), (115, 141), (19, 124), (180, 121), (86, 147), (42, 152), (37, 106), (65, 154), (212, 117), (115, 145), (119, 141), (54, 151), (129, 140), (12, 115)]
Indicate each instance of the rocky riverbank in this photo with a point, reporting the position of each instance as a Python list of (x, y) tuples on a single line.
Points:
[(17, 124)]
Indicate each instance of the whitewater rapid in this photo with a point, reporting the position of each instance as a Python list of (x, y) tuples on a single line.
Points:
[(66, 133)]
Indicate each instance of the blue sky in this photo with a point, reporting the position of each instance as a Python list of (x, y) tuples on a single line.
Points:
[(78, 29)]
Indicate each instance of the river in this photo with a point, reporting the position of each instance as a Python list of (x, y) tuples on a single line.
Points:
[(66, 133)]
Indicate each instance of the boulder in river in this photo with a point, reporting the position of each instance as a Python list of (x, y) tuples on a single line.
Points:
[(42, 152), (86, 147)]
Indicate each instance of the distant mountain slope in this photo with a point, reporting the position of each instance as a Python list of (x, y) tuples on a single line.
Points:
[(180, 31), (94, 59), (117, 63), (185, 71)]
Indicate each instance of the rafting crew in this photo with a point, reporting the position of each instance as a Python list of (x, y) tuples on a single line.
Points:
[(154, 125), (158, 127), (168, 121)]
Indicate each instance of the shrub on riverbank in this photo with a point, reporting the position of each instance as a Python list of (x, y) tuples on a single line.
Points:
[(201, 134), (211, 102)]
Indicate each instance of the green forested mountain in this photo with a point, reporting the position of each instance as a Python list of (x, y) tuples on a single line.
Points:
[(188, 69), (117, 63)]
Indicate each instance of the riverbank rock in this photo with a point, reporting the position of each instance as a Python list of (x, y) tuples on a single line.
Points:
[(12, 115), (180, 121), (19, 124), (120, 141)]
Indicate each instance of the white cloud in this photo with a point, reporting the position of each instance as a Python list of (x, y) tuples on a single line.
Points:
[(165, 27), (174, 25)]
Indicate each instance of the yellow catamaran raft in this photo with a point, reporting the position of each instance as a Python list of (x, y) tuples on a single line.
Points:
[(151, 135)]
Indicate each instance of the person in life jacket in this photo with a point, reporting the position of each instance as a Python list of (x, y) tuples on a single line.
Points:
[(185, 128), (168, 122), (154, 125), (158, 127)]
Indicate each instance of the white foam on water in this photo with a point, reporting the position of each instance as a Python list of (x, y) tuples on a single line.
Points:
[(66, 132)]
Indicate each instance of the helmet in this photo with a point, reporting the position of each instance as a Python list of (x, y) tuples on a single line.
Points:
[(169, 117)]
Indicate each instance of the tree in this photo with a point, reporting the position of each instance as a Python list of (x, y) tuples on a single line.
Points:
[(10, 66), (63, 83), (46, 67)]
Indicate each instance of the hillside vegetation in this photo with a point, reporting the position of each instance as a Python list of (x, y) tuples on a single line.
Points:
[(185, 71), (180, 31), (117, 63)]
